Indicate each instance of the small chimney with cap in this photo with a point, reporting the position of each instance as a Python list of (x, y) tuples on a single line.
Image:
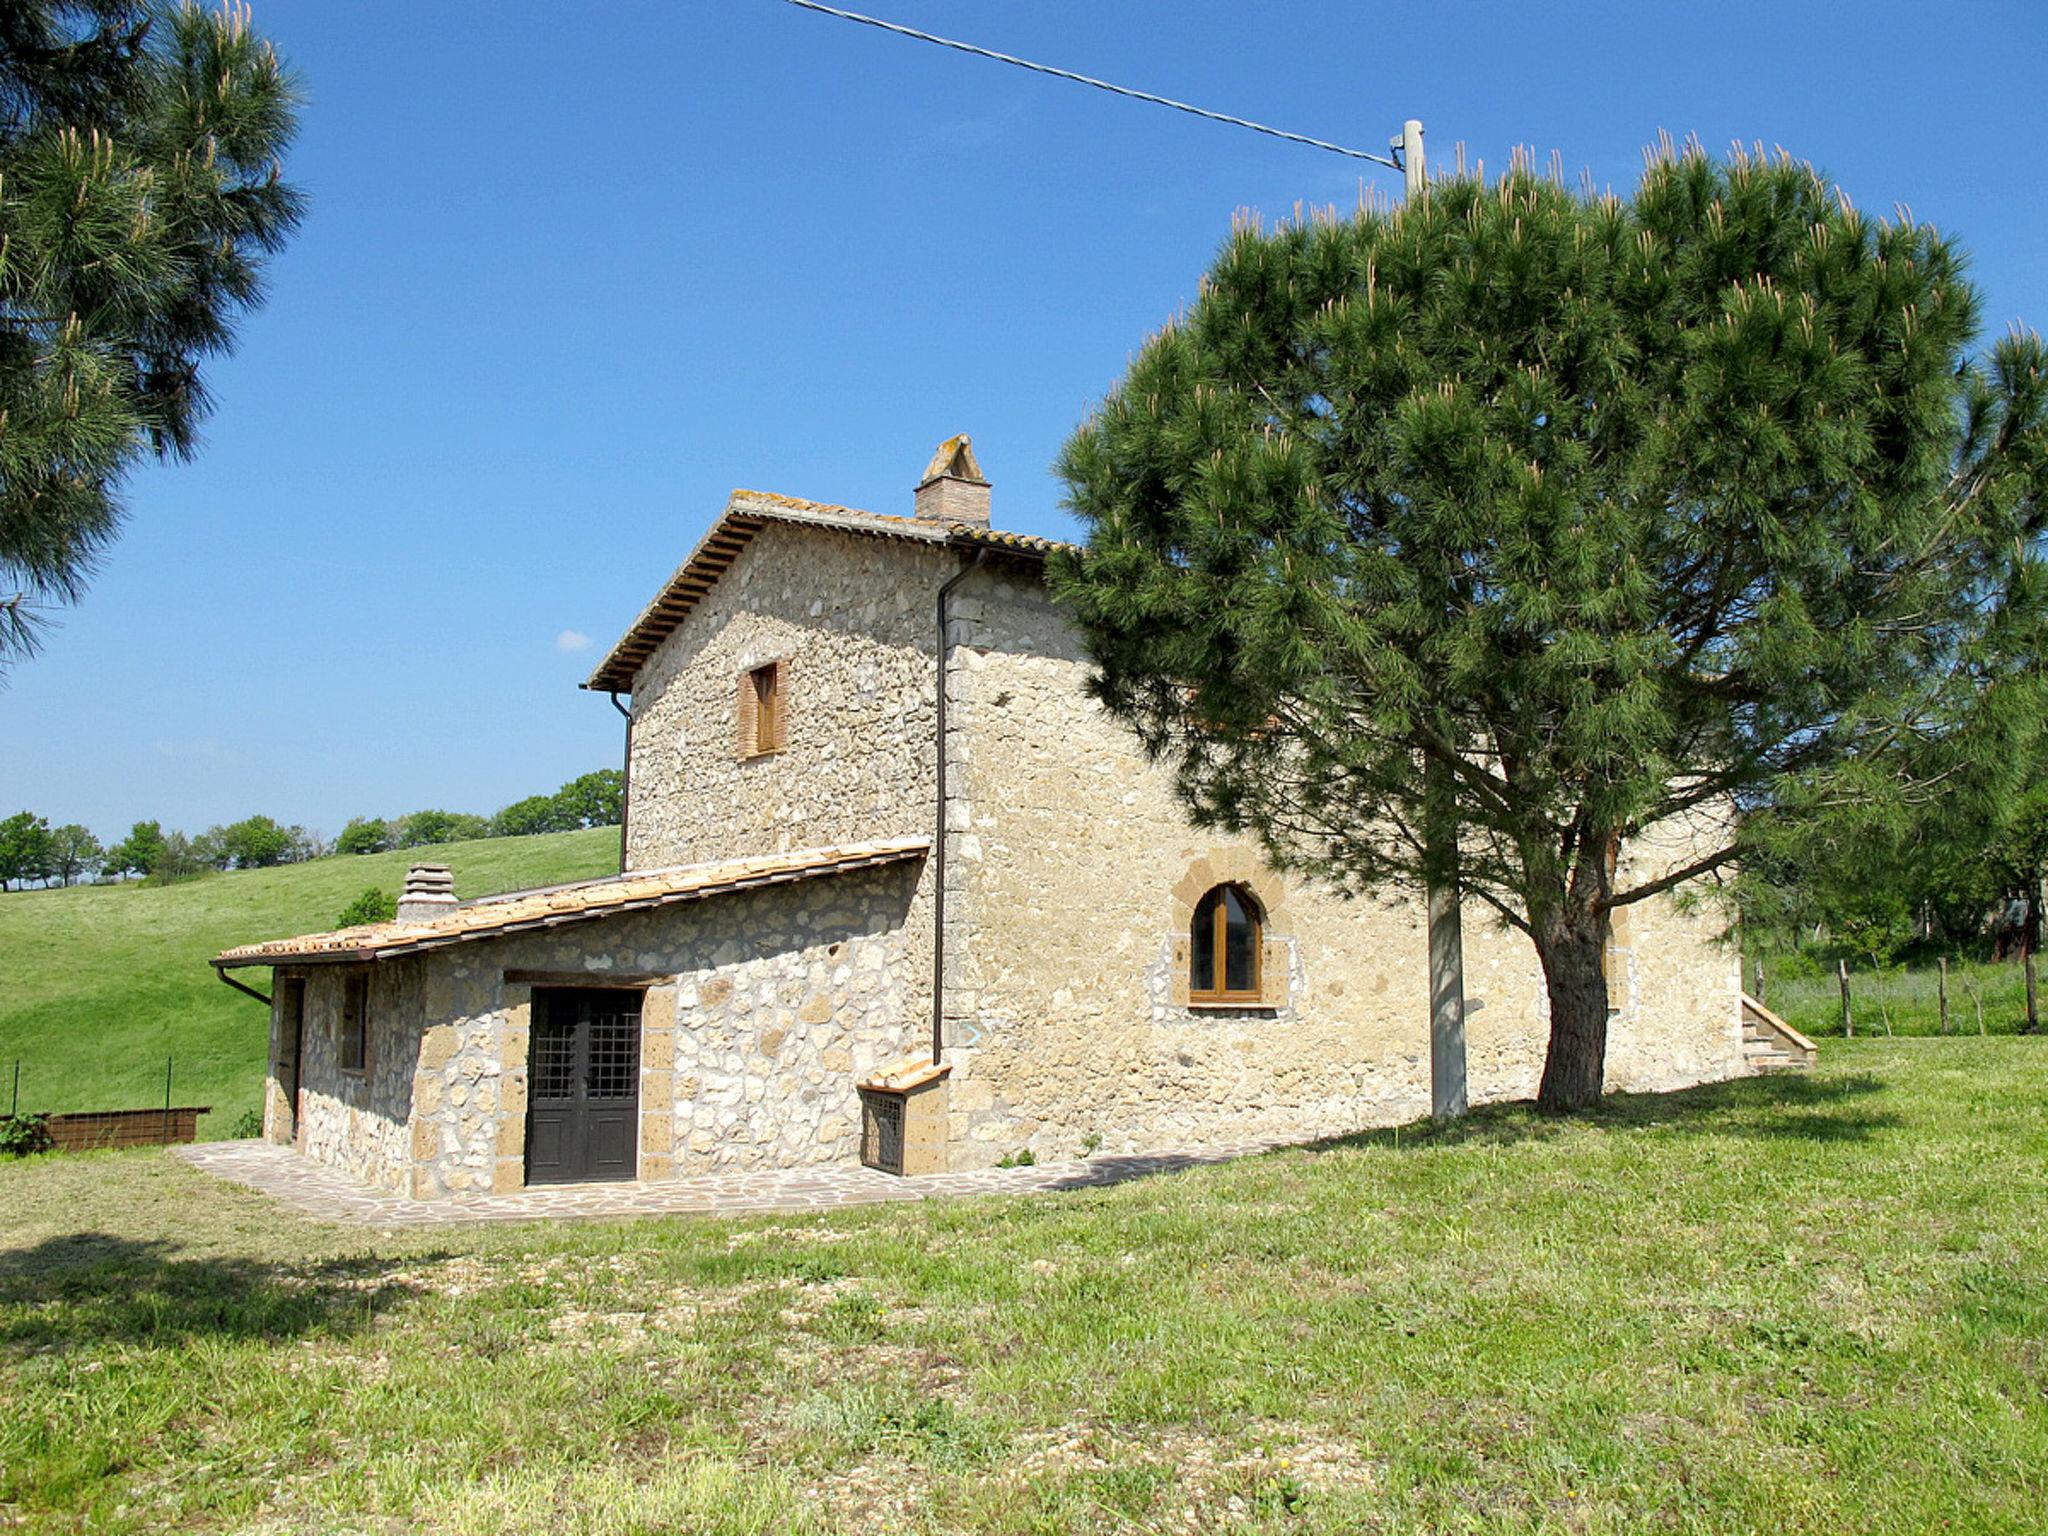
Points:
[(429, 892), (952, 490)]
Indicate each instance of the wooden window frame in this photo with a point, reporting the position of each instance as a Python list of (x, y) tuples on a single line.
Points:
[(763, 733), (1199, 997), (349, 984)]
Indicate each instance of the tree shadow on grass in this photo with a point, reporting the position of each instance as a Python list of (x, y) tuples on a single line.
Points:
[(1779, 1105), (1102, 1171), (94, 1288)]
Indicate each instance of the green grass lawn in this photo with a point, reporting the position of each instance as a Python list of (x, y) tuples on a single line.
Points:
[(1789, 1304), (98, 984)]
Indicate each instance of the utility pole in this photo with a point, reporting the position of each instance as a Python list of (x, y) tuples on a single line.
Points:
[(1413, 167), (1447, 1096), (1447, 1090)]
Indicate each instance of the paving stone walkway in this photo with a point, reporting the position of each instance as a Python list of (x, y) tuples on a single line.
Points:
[(328, 1195)]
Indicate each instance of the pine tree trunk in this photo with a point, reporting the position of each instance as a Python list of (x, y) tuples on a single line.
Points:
[(1572, 947), (1568, 919)]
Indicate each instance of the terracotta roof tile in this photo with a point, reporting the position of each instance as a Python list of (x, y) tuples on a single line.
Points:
[(635, 891)]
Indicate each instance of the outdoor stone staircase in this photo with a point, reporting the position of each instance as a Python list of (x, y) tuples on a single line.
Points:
[(1770, 1044)]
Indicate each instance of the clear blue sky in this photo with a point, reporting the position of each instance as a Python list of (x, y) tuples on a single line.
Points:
[(573, 272)]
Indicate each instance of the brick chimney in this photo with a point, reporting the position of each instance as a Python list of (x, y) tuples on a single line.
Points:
[(429, 892), (952, 490)]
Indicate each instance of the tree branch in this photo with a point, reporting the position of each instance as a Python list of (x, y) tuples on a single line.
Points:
[(1679, 876)]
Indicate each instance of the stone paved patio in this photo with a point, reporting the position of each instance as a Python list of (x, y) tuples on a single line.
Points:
[(327, 1195)]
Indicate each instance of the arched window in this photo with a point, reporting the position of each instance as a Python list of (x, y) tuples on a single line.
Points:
[(1224, 946)]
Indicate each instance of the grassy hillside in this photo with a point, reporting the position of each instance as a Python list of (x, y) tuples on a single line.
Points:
[(1787, 1304), (99, 983)]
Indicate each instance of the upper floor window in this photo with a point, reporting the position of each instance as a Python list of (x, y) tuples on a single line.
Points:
[(1224, 947), (355, 1023), (764, 711)]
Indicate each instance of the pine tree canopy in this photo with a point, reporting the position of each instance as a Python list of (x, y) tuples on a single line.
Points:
[(1613, 511), (140, 194)]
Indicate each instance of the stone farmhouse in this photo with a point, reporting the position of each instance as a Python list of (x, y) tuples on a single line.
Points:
[(895, 890)]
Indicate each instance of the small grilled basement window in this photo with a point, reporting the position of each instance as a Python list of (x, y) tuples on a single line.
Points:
[(355, 1023), (764, 711), (881, 1130), (1224, 944)]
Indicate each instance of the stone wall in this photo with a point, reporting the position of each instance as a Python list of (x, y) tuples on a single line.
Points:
[(771, 1005), (1071, 873), (851, 615), (1674, 987), (356, 1122), (1680, 1019)]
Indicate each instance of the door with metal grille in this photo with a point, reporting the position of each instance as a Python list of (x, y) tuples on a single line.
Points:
[(583, 1086), (881, 1130)]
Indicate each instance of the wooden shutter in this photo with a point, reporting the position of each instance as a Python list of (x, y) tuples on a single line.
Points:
[(764, 710)]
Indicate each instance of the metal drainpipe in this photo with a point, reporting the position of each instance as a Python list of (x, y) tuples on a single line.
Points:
[(939, 832), (625, 780), (239, 986)]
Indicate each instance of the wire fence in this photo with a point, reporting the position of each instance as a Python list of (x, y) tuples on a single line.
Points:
[(1965, 997), (149, 1084)]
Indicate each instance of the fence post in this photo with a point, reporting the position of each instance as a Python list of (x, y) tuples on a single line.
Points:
[(167, 1101), (1944, 995), (1976, 1000), (14, 1105), (1848, 1018)]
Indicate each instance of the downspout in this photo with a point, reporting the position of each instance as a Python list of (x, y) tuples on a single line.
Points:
[(625, 780), (939, 832), (221, 972)]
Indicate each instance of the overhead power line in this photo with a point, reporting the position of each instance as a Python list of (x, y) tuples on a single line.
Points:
[(1100, 85)]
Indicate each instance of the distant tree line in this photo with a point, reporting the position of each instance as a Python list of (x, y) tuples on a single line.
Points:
[(593, 800), (1965, 872), (32, 852)]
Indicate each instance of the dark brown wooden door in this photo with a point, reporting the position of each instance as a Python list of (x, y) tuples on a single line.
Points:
[(292, 1043), (583, 1086)]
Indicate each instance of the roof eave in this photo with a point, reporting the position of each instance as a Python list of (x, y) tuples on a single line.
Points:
[(734, 529), (324, 957), (870, 857), (607, 677)]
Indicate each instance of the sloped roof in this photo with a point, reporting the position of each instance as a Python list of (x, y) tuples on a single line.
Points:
[(495, 916), (746, 513)]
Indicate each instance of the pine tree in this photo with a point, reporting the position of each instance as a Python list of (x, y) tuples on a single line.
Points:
[(1616, 514), (139, 196)]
